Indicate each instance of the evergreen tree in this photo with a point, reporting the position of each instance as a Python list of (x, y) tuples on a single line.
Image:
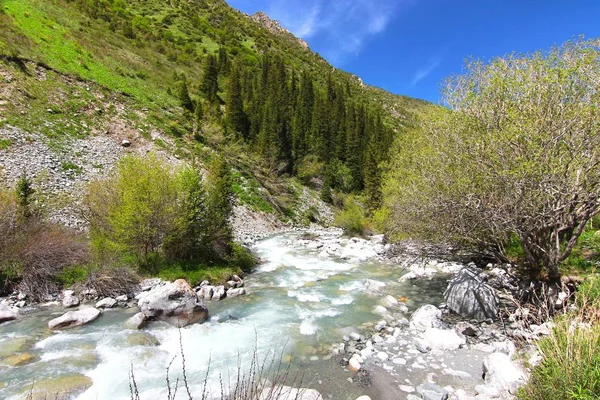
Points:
[(184, 96), (25, 191), (372, 178), (223, 62), (236, 118), (220, 206), (210, 80)]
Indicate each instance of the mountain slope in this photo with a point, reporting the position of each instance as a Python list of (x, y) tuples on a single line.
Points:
[(71, 69)]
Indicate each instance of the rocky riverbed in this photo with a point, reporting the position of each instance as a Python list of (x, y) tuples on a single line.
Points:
[(357, 323)]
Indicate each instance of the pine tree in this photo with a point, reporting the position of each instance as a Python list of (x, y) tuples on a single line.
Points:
[(210, 80), (184, 96), (236, 118), (372, 178), (220, 206), (25, 191), (223, 62)]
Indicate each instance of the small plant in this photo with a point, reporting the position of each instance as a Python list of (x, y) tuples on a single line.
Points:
[(5, 144), (68, 166)]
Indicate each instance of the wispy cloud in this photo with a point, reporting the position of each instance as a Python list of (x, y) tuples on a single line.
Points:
[(341, 27), (424, 72)]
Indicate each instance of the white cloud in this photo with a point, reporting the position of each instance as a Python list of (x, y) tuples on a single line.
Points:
[(424, 72), (341, 26)]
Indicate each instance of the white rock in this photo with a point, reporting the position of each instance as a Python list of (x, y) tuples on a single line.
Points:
[(380, 310), (138, 321), (8, 313), (74, 318), (107, 302), (289, 393), (443, 340), (500, 372), (383, 356), (354, 365), (427, 316), (407, 388), (122, 298), (388, 301)]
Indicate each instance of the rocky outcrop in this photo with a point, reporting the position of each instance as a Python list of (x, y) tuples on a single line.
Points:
[(107, 302), (8, 313), (175, 303), (469, 296), (275, 28), (74, 318)]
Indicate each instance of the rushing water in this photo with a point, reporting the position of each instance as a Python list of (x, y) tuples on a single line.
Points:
[(300, 299)]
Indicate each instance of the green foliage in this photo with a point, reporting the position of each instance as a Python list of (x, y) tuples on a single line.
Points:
[(196, 273), (309, 168), (151, 216), (352, 218), (249, 192), (588, 297), (242, 258), (489, 168), (5, 144), (25, 191), (72, 275), (570, 368), (184, 96)]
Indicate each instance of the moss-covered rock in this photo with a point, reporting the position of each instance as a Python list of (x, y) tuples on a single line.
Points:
[(62, 388), (19, 359)]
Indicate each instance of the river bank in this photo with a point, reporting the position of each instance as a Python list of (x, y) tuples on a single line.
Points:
[(318, 293)]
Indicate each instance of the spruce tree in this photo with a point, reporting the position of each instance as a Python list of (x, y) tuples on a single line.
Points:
[(236, 118), (184, 96), (220, 206), (210, 80), (223, 62)]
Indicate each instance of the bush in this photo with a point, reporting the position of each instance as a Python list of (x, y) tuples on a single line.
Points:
[(352, 218), (309, 168), (33, 251), (571, 364), (241, 257)]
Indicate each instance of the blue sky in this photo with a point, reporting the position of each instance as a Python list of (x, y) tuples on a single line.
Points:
[(409, 46)]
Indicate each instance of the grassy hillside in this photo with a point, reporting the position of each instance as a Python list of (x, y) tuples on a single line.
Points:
[(73, 68)]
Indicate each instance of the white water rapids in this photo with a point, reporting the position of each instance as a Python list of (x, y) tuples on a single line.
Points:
[(302, 298)]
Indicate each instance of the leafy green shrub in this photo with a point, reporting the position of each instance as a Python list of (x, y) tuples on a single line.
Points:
[(242, 257), (588, 298), (309, 168), (571, 364), (352, 218), (72, 275)]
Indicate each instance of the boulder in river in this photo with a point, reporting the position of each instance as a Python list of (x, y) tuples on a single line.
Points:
[(8, 313), (427, 316), (443, 340), (107, 302), (175, 303), (74, 318), (469, 296), (65, 387), (138, 321)]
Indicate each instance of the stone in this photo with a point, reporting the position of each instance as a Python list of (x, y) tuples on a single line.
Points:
[(363, 398), (74, 318), (371, 285), (469, 296), (65, 387), (219, 293), (355, 336), (8, 313), (431, 391), (107, 302), (354, 365), (122, 298), (383, 356), (443, 340), (141, 339), (407, 388), (500, 372), (380, 310), (289, 393), (457, 373), (388, 301), (422, 345), (69, 299), (206, 292), (138, 321), (175, 303), (427, 316), (380, 326), (236, 292), (19, 359), (125, 143), (10, 346)]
